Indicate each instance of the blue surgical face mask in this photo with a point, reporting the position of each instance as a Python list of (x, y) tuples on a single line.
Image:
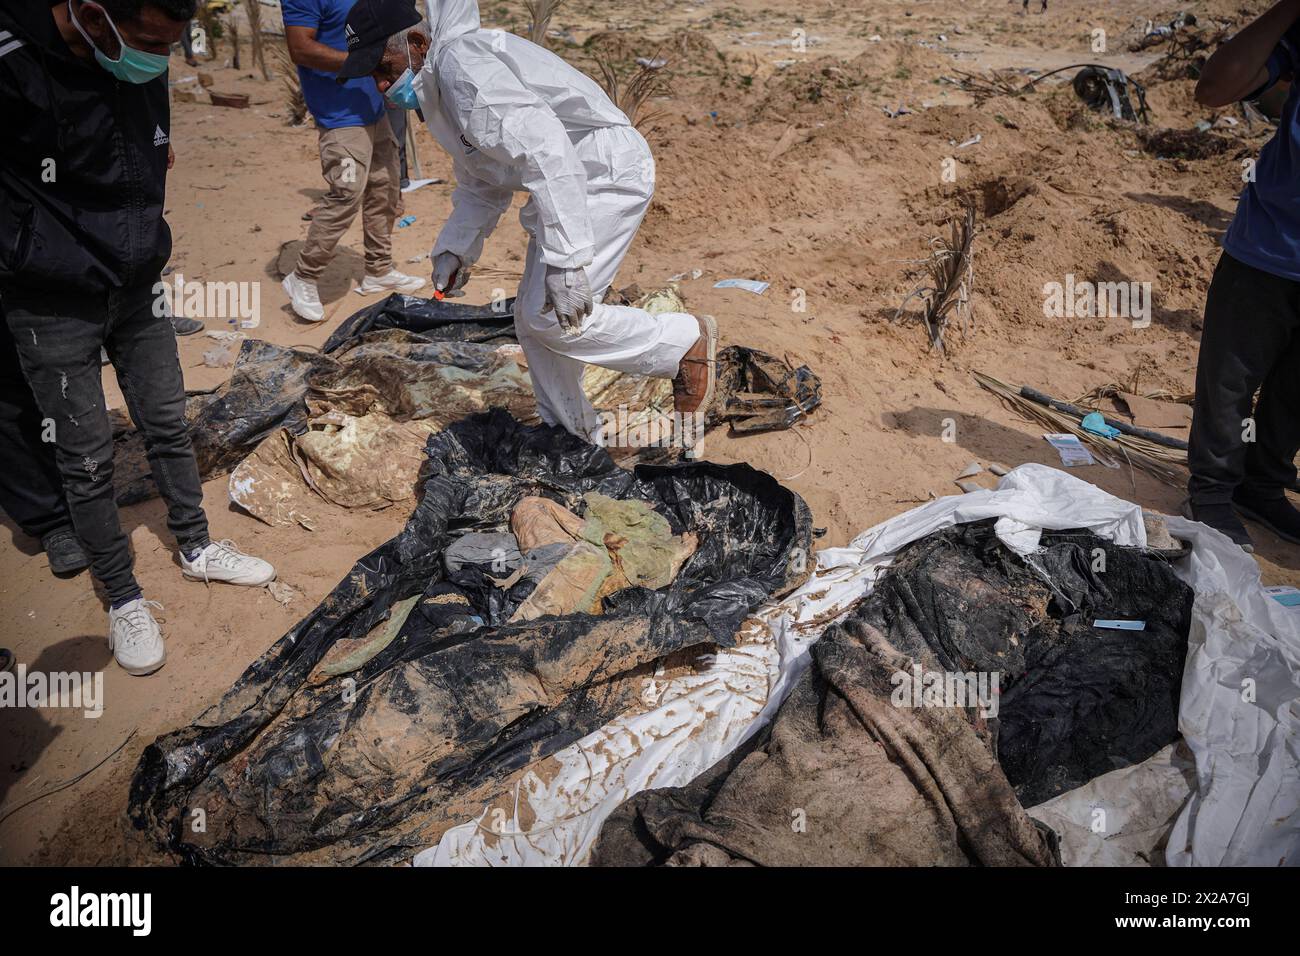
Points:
[(131, 65), (402, 93)]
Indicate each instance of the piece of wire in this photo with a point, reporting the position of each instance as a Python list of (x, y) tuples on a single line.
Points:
[(10, 811)]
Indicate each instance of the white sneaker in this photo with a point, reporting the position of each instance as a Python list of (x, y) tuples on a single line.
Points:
[(303, 298), (223, 561), (135, 638), (393, 282)]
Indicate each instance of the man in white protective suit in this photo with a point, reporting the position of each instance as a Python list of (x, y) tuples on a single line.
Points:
[(514, 116)]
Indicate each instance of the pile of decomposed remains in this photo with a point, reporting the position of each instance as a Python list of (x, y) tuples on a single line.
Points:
[(969, 685), (444, 663)]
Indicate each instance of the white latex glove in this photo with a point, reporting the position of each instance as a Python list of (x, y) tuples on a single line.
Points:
[(568, 293), (449, 273)]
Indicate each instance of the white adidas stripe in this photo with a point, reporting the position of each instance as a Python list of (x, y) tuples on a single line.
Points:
[(10, 46)]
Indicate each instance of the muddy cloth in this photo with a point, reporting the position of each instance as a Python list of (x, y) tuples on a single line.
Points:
[(640, 541), (321, 424), (295, 765), (498, 553), (537, 522), (852, 772), (362, 442)]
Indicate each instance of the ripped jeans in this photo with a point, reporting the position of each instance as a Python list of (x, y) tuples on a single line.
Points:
[(58, 337)]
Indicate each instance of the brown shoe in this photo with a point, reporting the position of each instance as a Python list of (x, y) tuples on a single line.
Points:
[(697, 375)]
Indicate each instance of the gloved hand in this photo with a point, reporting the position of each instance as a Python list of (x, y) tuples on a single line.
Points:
[(449, 273), (568, 293)]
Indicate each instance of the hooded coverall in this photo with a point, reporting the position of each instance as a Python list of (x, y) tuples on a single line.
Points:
[(514, 116)]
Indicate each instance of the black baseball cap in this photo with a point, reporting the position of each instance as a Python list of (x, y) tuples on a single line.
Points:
[(369, 25)]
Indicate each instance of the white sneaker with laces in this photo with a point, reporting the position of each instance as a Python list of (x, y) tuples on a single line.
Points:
[(393, 282), (223, 561), (135, 638), (304, 299)]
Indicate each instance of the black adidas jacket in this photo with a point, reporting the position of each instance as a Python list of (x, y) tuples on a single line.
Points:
[(83, 164)]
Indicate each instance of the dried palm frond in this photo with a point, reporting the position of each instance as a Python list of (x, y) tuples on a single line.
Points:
[(1094, 397), (1159, 461), (294, 99), (646, 83), (990, 84), (951, 268), (253, 9), (541, 11)]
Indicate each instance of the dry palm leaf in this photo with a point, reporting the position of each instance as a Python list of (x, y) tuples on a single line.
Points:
[(646, 83), (1159, 461), (294, 99), (993, 83), (253, 9), (951, 268), (541, 11)]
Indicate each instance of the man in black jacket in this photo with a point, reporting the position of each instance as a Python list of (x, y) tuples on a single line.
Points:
[(83, 167)]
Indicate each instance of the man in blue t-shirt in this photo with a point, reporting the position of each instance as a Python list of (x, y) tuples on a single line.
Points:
[(358, 156), (1251, 342)]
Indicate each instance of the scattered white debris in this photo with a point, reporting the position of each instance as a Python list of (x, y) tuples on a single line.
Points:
[(283, 593), (749, 285)]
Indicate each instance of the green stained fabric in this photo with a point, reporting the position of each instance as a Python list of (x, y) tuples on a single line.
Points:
[(651, 555), (354, 661)]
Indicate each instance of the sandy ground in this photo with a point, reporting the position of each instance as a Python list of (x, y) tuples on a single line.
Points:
[(842, 213)]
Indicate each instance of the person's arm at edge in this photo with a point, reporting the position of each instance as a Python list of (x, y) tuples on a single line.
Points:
[(301, 20), (1239, 67), (306, 50)]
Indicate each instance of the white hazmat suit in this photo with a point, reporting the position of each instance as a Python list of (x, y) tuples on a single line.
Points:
[(515, 116)]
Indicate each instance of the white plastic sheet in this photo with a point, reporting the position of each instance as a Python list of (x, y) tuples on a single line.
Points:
[(1243, 807)]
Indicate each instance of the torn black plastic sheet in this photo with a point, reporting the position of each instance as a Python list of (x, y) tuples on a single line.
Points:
[(295, 766), (443, 321)]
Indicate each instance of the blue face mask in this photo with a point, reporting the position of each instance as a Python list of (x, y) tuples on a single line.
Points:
[(402, 93), (131, 65)]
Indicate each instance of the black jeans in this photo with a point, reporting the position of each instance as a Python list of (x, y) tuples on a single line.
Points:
[(1251, 342), (31, 489), (58, 337)]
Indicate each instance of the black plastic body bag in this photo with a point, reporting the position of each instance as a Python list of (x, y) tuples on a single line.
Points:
[(292, 766)]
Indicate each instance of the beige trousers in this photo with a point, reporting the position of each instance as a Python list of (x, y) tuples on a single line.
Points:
[(360, 164)]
